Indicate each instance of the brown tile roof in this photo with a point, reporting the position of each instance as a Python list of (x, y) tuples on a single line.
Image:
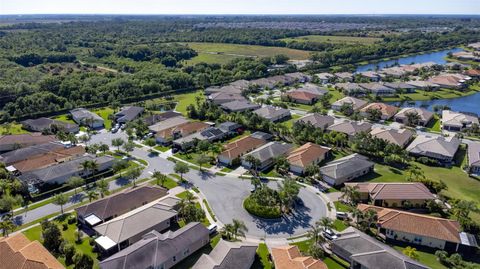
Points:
[(398, 137), (386, 110), (306, 154), (49, 158), (26, 139), (424, 225), (394, 191), (302, 95), (241, 146), (473, 72), (17, 252), (184, 129), (289, 257)]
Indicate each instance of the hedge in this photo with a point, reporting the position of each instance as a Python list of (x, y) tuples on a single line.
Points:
[(267, 212)]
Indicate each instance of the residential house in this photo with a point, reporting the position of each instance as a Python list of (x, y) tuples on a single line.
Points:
[(408, 195), (418, 229), (18, 252), (474, 158), (378, 89), (13, 142), (49, 158), (118, 204), (302, 97), (228, 255), (25, 153), (264, 83), (298, 77), (155, 118), (168, 135), (387, 111), (273, 113), (424, 116), (475, 46), (317, 120), (236, 149), (128, 114), (49, 125), (87, 118), (62, 172), (449, 81), (129, 228), (355, 103), (307, 154), (344, 76), (350, 128), (230, 128), (400, 87), (473, 73), (324, 78), (225, 97), (210, 134), (395, 71), (346, 169), (399, 137), (456, 121), (167, 124), (266, 154), (424, 85), (262, 135), (370, 75), (156, 250), (363, 251), (466, 56), (440, 148), (239, 106), (289, 257), (351, 89)]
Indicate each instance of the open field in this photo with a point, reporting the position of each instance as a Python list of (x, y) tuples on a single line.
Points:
[(334, 39), (185, 100), (104, 113), (13, 128), (223, 53)]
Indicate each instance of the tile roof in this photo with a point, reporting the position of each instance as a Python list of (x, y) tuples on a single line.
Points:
[(270, 150), (17, 252), (225, 97), (82, 114), (445, 146), (350, 127), (446, 80), (345, 166), (356, 246), (49, 158), (28, 152), (317, 120), (474, 153), (269, 112), (122, 202), (302, 95), (25, 140), (289, 257), (386, 110), (307, 154), (355, 102), (241, 146), (398, 137), (183, 129), (453, 118), (424, 225), (424, 114), (155, 249), (43, 123), (228, 255), (394, 191), (129, 113), (239, 105), (150, 120), (168, 123)]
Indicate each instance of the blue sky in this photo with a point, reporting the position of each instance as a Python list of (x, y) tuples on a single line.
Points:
[(240, 6)]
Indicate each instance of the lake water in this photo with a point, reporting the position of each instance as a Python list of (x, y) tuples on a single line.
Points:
[(462, 104), (436, 57)]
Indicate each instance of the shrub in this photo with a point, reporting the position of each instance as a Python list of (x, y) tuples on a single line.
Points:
[(69, 251), (72, 219), (268, 212), (65, 226)]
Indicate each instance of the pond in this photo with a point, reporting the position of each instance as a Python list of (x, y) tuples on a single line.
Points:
[(436, 57), (469, 103)]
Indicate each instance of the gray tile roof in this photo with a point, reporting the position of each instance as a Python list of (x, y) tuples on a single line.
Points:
[(355, 102), (28, 152), (424, 114), (229, 126), (155, 249), (150, 120), (361, 248), (346, 166), (350, 127), (262, 135), (239, 105), (270, 150), (82, 114), (474, 153), (398, 137), (399, 85), (270, 112), (168, 123), (128, 113), (42, 124), (425, 145), (317, 120), (225, 97), (228, 255)]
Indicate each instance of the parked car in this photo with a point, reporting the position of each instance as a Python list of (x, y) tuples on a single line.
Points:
[(212, 229), (114, 130), (329, 234), (342, 215)]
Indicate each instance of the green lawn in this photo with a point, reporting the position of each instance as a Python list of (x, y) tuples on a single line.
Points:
[(262, 260), (333, 264), (339, 206), (435, 124), (182, 195), (168, 184), (186, 99), (161, 148), (64, 118), (191, 157), (246, 133), (289, 123), (420, 95), (426, 258), (35, 233), (334, 39), (12, 129), (104, 112), (339, 225), (223, 53)]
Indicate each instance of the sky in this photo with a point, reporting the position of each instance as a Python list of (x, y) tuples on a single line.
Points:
[(239, 7)]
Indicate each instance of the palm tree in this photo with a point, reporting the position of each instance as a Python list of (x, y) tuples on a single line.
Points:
[(181, 168), (254, 163), (315, 234), (415, 173), (117, 142), (412, 118), (239, 228), (411, 253), (325, 223), (75, 182), (134, 174), (311, 170), (61, 200), (227, 231), (7, 225), (161, 178), (92, 195), (102, 186), (350, 194)]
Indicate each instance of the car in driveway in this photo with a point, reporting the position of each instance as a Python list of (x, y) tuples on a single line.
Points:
[(341, 215), (329, 234)]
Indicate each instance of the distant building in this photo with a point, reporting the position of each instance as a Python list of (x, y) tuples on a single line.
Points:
[(155, 118), (87, 118), (355, 103), (372, 76), (317, 120), (324, 78), (350, 128), (351, 89), (13, 142), (228, 255), (378, 89), (399, 137), (26, 153), (344, 76), (474, 157), (128, 114), (400, 87), (386, 111), (272, 113), (225, 97), (49, 125), (239, 106), (346, 169)]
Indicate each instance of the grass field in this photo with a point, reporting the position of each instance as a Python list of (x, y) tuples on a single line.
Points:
[(104, 112), (64, 118), (426, 258), (420, 95), (223, 53), (334, 39), (185, 100), (13, 128)]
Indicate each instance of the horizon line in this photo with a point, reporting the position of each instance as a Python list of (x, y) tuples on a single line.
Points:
[(246, 14)]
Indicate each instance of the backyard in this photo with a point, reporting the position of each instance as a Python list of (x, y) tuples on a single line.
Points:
[(186, 99)]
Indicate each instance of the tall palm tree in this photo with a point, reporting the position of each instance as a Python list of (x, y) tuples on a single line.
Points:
[(7, 225), (325, 223), (161, 178), (61, 200), (254, 163), (350, 194), (239, 228), (315, 234), (92, 195), (227, 231), (102, 186)]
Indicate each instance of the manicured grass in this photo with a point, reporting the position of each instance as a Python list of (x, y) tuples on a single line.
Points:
[(333, 264), (222, 53), (191, 158), (104, 112), (64, 118), (226, 170), (302, 245), (263, 253), (168, 184), (209, 210), (182, 195), (435, 124), (334, 39), (214, 240), (426, 258), (186, 99), (161, 148), (420, 95), (246, 133), (289, 123), (339, 225), (12, 129), (336, 94), (339, 206), (35, 233)]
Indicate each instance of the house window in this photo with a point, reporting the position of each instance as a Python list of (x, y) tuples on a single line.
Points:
[(186, 252), (174, 258)]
